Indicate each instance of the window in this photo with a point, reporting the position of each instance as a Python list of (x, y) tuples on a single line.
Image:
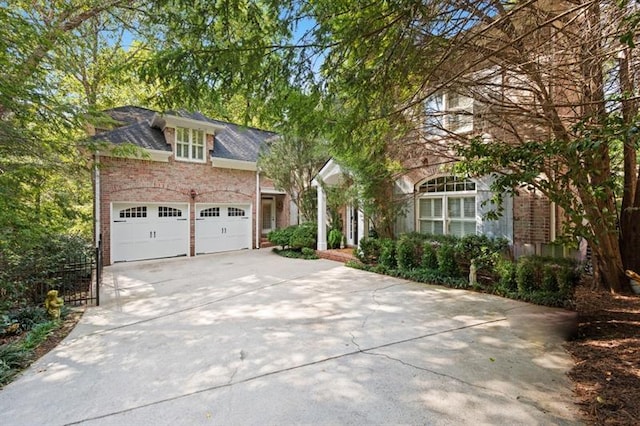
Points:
[(234, 211), (190, 144), (134, 212), (448, 112), (210, 212), (169, 212), (447, 205)]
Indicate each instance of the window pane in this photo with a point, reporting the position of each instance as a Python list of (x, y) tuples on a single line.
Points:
[(431, 227), (437, 207), (469, 228), (470, 207), (456, 228), (455, 208)]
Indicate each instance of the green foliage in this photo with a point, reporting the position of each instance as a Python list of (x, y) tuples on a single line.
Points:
[(16, 356), (295, 236), (304, 235), (368, 251), (506, 271), (334, 239), (429, 256), (537, 274), (526, 275), (409, 250), (447, 265), (29, 316), (388, 258), (281, 237), (27, 264), (305, 253), (482, 249)]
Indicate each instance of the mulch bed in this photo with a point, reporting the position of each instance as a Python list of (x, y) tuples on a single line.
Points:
[(607, 356)]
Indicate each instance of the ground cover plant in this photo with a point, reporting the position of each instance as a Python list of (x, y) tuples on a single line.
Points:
[(449, 260)]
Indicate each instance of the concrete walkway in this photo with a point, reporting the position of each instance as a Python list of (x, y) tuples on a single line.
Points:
[(252, 338)]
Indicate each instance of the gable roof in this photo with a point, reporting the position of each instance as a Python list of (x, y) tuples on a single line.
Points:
[(144, 128)]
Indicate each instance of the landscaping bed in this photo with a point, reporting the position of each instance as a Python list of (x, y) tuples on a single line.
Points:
[(606, 351)]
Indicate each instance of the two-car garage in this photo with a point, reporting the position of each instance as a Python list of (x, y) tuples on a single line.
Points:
[(155, 230)]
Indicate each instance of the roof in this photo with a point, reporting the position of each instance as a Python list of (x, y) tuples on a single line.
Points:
[(130, 114), (232, 142)]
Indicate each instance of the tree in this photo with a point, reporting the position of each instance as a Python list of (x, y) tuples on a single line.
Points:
[(295, 158)]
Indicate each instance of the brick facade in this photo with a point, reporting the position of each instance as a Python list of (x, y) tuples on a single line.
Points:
[(147, 181)]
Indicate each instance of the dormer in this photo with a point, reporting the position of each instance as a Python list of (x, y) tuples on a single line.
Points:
[(191, 140)]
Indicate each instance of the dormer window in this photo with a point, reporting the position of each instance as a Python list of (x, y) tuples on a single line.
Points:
[(190, 144), (448, 112)]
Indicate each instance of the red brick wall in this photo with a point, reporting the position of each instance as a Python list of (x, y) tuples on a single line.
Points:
[(531, 218), (123, 180)]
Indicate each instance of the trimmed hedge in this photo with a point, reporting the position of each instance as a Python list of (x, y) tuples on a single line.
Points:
[(447, 259)]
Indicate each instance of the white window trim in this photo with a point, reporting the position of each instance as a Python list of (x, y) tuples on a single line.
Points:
[(190, 145), (445, 115), (444, 196)]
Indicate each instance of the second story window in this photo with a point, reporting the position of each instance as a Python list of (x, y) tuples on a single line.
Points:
[(190, 144), (448, 112)]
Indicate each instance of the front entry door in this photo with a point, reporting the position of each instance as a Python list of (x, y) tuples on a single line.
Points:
[(268, 208)]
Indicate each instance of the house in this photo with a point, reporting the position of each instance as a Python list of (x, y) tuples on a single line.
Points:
[(181, 184), (438, 202)]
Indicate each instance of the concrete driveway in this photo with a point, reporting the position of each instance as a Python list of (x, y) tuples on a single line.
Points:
[(252, 338)]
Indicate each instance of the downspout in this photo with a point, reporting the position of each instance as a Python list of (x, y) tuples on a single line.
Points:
[(552, 222), (257, 245), (96, 199)]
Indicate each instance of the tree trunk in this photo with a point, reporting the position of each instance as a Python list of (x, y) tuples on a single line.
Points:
[(630, 212)]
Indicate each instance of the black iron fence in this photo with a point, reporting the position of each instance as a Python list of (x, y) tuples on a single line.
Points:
[(77, 280)]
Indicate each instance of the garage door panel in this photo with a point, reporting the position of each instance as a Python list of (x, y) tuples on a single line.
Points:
[(222, 228), (148, 231)]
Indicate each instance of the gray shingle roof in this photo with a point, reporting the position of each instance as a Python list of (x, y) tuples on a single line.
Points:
[(140, 134), (131, 114), (233, 142)]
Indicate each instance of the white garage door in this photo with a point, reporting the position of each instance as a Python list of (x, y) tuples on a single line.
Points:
[(222, 227), (148, 231)]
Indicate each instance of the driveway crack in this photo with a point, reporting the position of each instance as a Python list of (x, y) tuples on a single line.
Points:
[(437, 373), (366, 351)]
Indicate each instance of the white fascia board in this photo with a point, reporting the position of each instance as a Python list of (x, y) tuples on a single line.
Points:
[(272, 191), (225, 163), (163, 121)]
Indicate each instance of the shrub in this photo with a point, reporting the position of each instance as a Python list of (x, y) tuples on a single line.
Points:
[(549, 278), (281, 237), (368, 251), (304, 235), (28, 317), (429, 257), (447, 265), (388, 254), (409, 251), (309, 253), (334, 239), (506, 271), (526, 275)]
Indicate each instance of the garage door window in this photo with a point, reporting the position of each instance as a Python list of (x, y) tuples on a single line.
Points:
[(234, 211), (169, 212), (134, 212), (210, 212)]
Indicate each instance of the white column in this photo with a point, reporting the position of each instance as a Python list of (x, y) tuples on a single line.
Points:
[(258, 212), (362, 231), (322, 219)]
